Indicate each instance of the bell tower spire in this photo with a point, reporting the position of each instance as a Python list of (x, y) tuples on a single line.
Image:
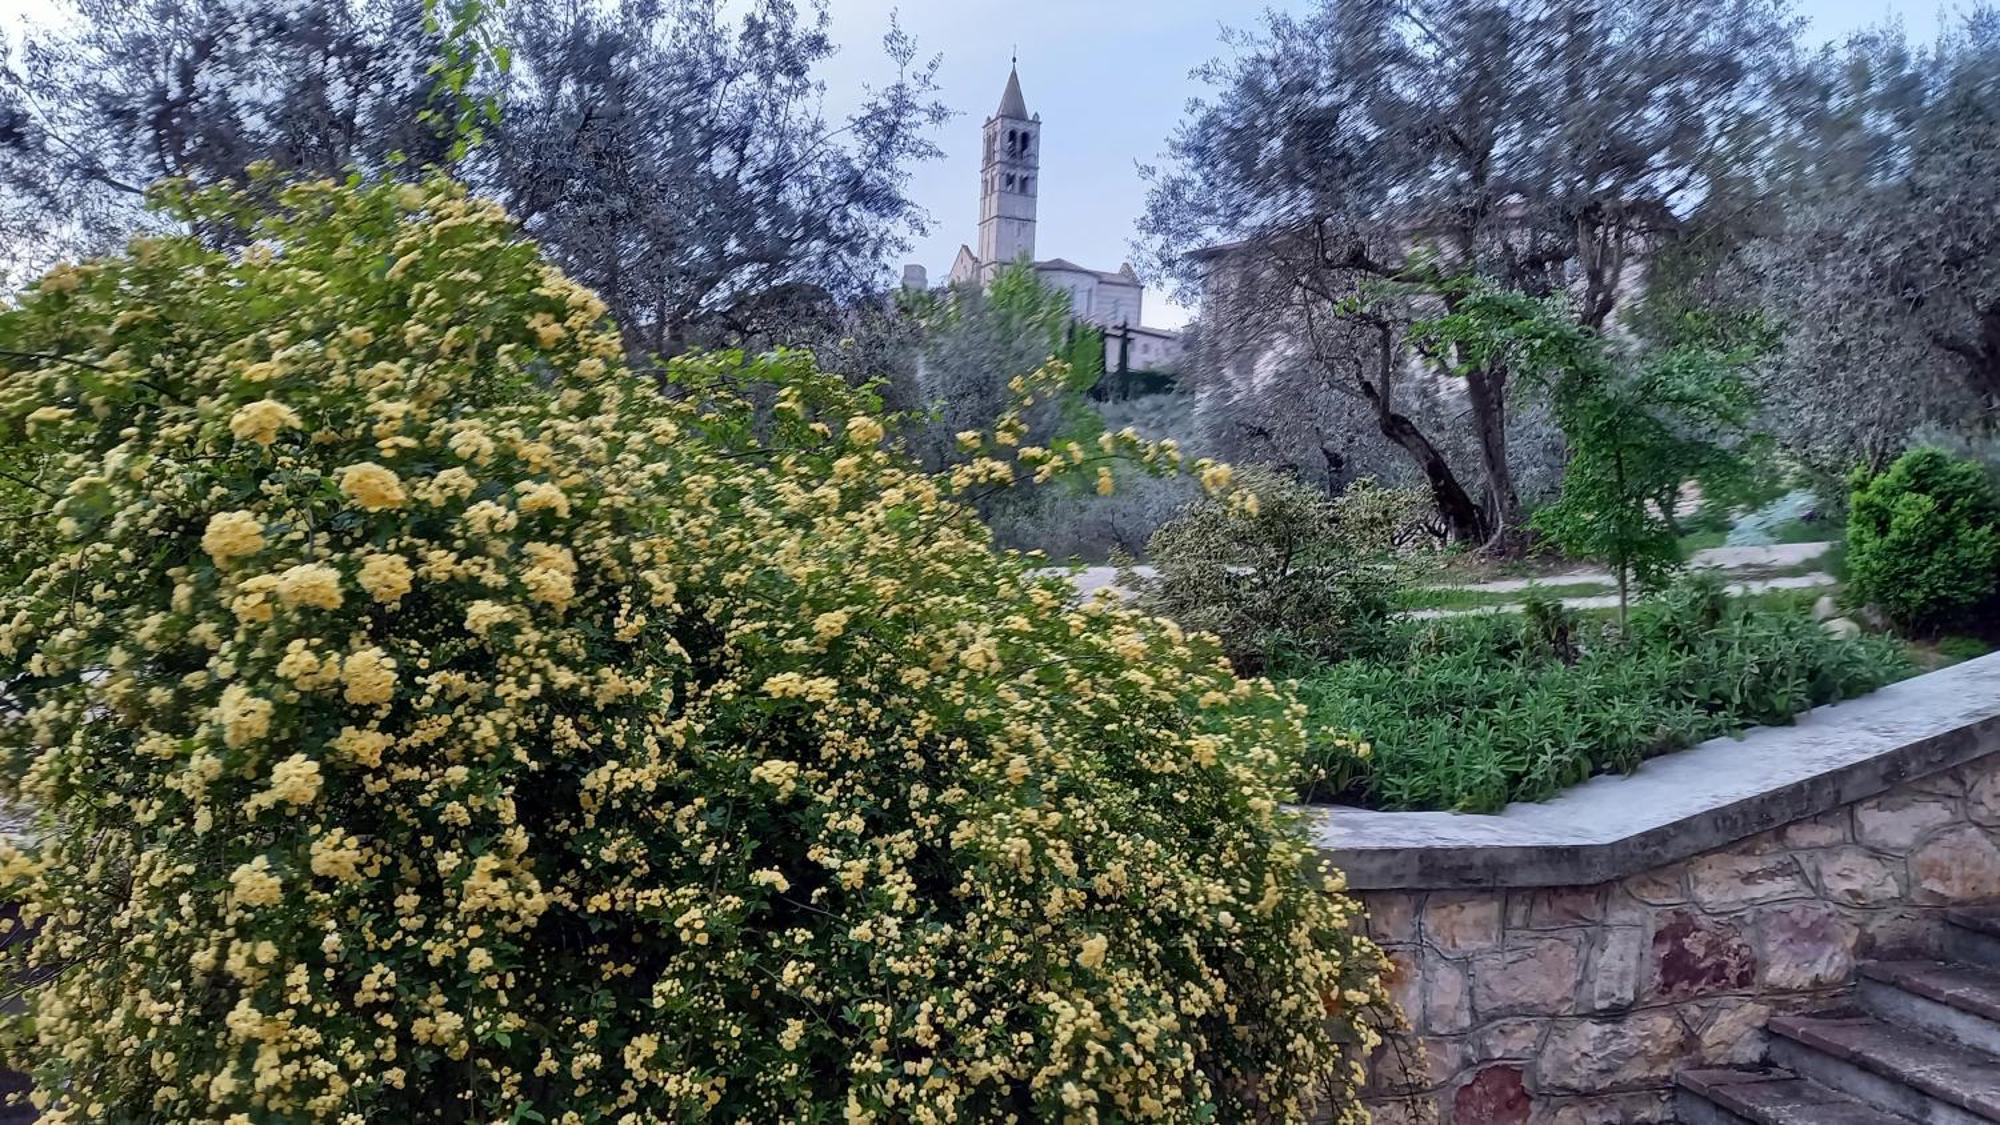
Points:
[(1009, 180)]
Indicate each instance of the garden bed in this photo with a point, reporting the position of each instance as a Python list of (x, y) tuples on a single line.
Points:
[(1474, 713)]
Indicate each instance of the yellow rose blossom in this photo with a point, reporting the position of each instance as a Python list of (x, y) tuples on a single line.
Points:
[(370, 677), (245, 718), (373, 487), (363, 747), (387, 578), (296, 780), (543, 497), (313, 585), (262, 421), (231, 536), (253, 884), (863, 430)]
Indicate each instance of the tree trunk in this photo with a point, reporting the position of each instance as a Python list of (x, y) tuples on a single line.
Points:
[(1506, 533), (1465, 522)]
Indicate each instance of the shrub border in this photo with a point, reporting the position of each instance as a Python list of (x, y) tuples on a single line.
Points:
[(1682, 804)]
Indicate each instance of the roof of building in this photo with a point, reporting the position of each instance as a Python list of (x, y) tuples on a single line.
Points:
[(1012, 104), (1121, 276)]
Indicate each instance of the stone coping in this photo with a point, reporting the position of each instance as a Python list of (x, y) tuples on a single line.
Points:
[(1680, 804)]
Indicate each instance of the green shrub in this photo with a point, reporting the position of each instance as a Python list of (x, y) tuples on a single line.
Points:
[(1294, 576), (426, 720), (1475, 712), (1923, 539)]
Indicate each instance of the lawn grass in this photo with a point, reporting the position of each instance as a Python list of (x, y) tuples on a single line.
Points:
[(1456, 597)]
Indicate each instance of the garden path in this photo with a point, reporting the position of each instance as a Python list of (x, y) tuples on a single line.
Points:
[(1726, 560)]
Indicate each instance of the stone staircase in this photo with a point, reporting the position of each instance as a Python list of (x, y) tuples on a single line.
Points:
[(1921, 1047)]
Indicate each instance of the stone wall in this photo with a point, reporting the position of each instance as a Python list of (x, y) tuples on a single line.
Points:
[(1576, 1004)]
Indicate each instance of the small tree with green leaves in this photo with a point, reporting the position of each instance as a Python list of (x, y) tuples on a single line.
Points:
[(1637, 429)]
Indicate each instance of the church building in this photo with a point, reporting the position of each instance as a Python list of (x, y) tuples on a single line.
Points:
[(1010, 184)]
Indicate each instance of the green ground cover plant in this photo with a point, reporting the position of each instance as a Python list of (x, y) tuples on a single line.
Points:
[(1472, 713)]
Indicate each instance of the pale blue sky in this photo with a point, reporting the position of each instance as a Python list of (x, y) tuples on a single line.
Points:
[(1110, 78)]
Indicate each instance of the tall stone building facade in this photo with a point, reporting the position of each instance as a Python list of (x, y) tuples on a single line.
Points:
[(1010, 185)]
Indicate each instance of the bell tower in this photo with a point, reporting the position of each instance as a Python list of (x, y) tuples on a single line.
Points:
[(1009, 181)]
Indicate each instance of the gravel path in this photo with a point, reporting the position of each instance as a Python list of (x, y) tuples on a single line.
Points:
[(1715, 558), (1610, 601), (1091, 579)]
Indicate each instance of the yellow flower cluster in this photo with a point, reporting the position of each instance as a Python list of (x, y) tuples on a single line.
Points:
[(373, 487), (262, 421), (521, 739)]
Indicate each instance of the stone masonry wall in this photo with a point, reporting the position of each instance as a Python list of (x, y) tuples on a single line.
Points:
[(1576, 1005)]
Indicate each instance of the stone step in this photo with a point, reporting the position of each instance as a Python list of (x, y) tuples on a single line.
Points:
[(1890, 1067), (1956, 1003), (1972, 935), (1768, 1096)]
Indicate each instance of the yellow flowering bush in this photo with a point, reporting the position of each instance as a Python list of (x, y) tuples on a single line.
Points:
[(426, 719)]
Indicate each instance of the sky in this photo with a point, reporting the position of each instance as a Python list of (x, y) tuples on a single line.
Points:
[(1110, 78)]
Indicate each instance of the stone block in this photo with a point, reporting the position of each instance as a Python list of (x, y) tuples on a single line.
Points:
[(1822, 831), (1447, 1001), (1982, 794), (1612, 980), (1805, 945), (1496, 1095), (1535, 977), (1392, 916), (1957, 865), (1895, 821), (1443, 1060), (1944, 783), (1662, 886), (1397, 1067), (1856, 876), (1457, 924), (1693, 955), (1402, 1111), (1642, 1107), (1727, 880), (1405, 980), (1551, 908), (1590, 1056), (1896, 935), (1512, 1038), (1734, 1034)]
